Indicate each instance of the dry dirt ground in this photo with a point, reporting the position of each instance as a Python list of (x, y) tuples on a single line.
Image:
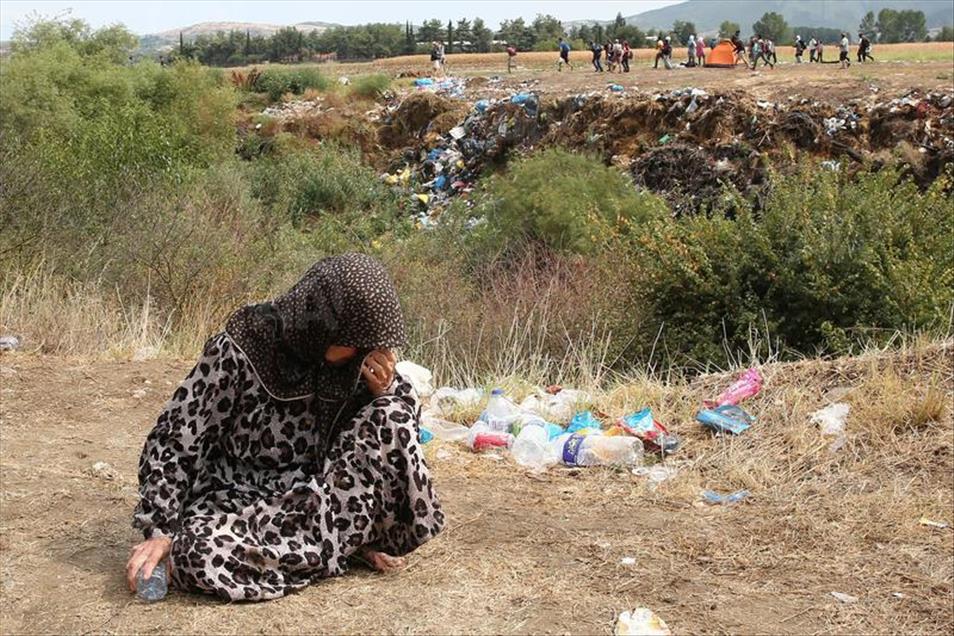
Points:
[(527, 553), (826, 82)]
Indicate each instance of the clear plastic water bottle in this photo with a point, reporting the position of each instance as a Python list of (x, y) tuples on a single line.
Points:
[(500, 412), (155, 587), (598, 450), (530, 447)]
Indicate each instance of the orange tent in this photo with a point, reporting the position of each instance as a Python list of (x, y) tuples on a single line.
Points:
[(722, 55)]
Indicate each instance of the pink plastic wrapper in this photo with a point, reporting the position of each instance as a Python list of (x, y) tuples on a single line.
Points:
[(749, 384)]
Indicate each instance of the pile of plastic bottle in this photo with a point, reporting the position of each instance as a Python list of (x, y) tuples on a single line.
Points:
[(534, 438)]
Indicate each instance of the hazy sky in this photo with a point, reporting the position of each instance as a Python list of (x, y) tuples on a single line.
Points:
[(152, 16)]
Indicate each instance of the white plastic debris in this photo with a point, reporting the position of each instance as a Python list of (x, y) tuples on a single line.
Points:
[(104, 471), (444, 430), (831, 419), (9, 343), (344, 81), (139, 394), (419, 377), (457, 132), (627, 561), (642, 621), (446, 399), (845, 598)]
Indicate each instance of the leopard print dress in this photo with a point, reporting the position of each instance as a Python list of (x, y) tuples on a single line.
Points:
[(263, 496)]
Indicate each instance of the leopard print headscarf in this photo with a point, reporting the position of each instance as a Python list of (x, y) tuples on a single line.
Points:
[(346, 300)]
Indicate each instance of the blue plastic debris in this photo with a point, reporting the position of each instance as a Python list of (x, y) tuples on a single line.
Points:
[(715, 498), (725, 419), (423, 81), (481, 105), (426, 436), (521, 98), (583, 420), (616, 88)]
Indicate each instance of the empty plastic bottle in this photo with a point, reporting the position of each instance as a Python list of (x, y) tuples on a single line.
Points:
[(483, 437), (155, 587), (597, 450), (530, 447), (500, 412)]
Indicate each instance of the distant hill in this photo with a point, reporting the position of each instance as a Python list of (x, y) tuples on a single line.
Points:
[(839, 14), (170, 38)]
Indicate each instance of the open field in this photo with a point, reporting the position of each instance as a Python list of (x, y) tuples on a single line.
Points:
[(525, 553)]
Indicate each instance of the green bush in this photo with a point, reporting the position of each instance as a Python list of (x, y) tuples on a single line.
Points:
[(296, 80), (370, 86), (565, 201), (830, 261), (328, 183)]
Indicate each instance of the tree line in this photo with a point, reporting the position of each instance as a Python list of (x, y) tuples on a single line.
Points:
[(377, 40)]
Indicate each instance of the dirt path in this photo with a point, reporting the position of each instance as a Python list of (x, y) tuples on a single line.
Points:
[(521, 553)]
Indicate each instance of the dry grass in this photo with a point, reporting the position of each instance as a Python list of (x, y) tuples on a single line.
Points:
[(529, 553)]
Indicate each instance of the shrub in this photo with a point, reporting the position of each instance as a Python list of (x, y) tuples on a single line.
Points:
[(565, 201), (370, 86), (829, 262), (296, 80), (327, 183)]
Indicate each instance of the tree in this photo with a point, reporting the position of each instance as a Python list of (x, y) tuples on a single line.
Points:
[(464, 33), (772, 26), (683, 30), (410, 44), (483, 37), (430, 31), (946, 34), (450, 36), (868, 23), (546, 27), (517, 32), (618, 23), (901, 26), (728, 28)]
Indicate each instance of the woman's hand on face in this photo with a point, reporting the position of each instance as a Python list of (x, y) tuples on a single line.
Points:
[(147, 556), (378, 370)]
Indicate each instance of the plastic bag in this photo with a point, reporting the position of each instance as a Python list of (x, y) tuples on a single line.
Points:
[(584, 422), (748, 384), (655, 436), (831, 419), (725, 419), (419, 377)]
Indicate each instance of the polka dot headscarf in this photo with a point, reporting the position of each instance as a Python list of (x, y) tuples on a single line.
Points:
[(346, 300)]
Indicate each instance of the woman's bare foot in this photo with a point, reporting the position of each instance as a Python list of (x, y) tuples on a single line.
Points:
[(382, 562)]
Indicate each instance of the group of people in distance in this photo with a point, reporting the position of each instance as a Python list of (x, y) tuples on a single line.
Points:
[(615, 56)]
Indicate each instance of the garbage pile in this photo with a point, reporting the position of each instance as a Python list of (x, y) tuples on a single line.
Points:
[(295, 109)]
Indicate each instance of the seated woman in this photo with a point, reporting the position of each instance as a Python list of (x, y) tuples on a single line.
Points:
[(290, 447)]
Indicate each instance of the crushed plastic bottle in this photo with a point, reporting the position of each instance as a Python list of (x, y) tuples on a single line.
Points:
[(530, 447), (748, 384), (574, 449), (155, 587)]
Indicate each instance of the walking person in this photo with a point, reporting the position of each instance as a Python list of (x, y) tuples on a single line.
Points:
[(843, 51), (701, 51), (820, 52), (691, 51), (864, 48), (812, 50), (511, 58), (618, 55), (627, 56), (292, 446), (799, 49), (564, 54), (739, 49), (597, 51), (659, 55)]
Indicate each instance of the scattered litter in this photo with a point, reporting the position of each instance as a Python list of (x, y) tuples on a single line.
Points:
[(419, 377), (665, 139), (445, 400), (457, 132), (344, 81), (845, 598), (655, 436), (715, 498), (426, 435), (897, 594), (642, 621), (831, 165), (294, 109), (139, 394), (584, 422), (748, 384), (443, 453), (924, 521), (9, 343), (616, 88), (725, 419), (444, 430), (831, 419), (627, 561), (104, 471)]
